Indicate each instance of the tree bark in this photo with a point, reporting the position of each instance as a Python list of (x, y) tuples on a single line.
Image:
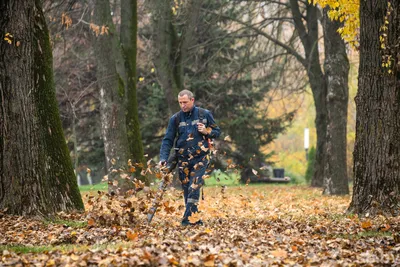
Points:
[(112, 94), (129, 44), (377, 144), (309, 38), (164, 40), (171, 48), (36, 172), (336, 68)]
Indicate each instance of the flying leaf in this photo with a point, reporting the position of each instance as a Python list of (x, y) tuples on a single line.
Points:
[(228, 138), (195, 217)]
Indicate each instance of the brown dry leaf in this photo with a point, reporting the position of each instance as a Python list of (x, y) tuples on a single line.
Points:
[(158, 175), (366, 224), (279, 253), (194, 217), (228, 138), (190, 137), (133, 236), (209, 261), (91, 222)]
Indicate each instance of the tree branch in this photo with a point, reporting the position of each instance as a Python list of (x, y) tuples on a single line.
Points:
[(289, 49)]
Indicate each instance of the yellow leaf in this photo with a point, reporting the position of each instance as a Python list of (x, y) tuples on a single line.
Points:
[(208, 231)]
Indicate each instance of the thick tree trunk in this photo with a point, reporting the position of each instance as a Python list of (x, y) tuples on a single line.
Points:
[(36, 172), (377, 145), (172, 50), (129, 44), (112, 94), (309, 38), (336, 73)]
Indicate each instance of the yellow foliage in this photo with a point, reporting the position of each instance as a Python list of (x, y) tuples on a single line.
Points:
[(346, 11)]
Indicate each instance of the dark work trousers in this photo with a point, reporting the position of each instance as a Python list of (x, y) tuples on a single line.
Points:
[(191, 176)]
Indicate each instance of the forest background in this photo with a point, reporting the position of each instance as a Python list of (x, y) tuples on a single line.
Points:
[(78, 97)]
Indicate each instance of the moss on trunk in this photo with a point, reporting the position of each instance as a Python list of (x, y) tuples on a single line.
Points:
[(129, 49), (36, 176)]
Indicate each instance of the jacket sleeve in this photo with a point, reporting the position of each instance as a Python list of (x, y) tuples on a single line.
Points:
[(215, 130), (168, 140)]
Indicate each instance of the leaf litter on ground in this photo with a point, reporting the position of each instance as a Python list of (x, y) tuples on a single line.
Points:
[(244, 226)]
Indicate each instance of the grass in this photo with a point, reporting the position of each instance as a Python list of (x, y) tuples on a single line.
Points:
[(223, 178), (26, 249), (20, 249), (95, 187), (216, 179)]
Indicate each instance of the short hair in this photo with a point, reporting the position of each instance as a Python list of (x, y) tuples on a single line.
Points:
[(186, 92)]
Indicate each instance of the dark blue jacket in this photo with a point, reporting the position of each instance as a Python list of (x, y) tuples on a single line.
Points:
[(188, 137)]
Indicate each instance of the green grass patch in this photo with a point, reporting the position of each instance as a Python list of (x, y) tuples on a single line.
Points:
[(223, 178), (21, 249), (26, 249), (95, 187)]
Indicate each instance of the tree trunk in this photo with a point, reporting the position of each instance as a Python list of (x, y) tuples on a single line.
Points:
[(336, 73), (129, 44), (377, 144), (171, 48), (112, 94), (309, 38), (75, 142), (36, 172), (164, 42)]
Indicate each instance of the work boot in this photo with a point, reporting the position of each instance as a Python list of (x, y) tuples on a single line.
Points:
[(199, 222), (185, 223)]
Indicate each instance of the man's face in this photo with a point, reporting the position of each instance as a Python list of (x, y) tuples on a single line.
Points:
[(185, 103)]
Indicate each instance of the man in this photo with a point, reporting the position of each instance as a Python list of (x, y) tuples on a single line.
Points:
[(192, 127)]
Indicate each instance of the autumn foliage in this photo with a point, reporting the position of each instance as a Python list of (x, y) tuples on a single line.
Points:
[(346, 11), (249, 225)]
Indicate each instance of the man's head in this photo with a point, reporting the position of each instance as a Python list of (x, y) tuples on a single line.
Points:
[(186, 100)]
